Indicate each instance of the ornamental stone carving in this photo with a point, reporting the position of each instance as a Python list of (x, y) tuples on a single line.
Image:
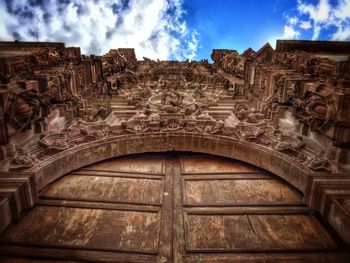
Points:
[(60, 105), (23, 159), (56, 142)]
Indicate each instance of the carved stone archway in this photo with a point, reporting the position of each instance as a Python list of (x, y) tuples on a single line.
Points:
[(280, 164), (169, 207), (27, 184)]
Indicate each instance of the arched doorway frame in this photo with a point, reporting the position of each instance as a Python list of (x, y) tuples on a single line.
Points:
[(29, 182), (282, 165)]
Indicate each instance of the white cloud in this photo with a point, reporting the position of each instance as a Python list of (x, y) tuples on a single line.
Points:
[(343, 9), (323, 15), (305, 25), (319, 14), (3, 31), (155, 28), (342, 34), (293, 20), (290, 32)]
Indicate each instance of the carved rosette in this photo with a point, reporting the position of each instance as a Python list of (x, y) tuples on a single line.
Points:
[(319, 111)]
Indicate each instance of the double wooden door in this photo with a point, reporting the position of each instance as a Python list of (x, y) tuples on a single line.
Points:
[(169, 207)]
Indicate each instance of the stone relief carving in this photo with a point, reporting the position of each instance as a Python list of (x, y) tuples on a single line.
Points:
[(23, 159), (315, 110), (319, 164), (146, 97), (248, 115), (58, 106), (56, 142), (23, 108), (95, 113), (96, 131)]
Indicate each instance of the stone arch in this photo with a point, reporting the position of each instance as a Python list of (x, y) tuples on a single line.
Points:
[(273, 161), (29, 182)]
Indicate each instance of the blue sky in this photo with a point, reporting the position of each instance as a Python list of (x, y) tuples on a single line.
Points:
[(239, 24), (236, 24), (173, 29)]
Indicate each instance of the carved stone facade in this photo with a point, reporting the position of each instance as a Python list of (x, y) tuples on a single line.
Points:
[(285, 110)]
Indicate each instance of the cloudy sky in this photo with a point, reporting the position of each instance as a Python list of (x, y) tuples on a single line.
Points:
[(173, 29)]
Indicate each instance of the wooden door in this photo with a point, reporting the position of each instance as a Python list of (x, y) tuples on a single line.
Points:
[(173, 207)]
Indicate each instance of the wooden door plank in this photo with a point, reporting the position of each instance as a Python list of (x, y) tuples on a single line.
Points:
[(178, 224), (147, 164), (91, 172), (291, 231), (99, 205), (254, 233), (46, 254), (229, 176), (165, 252), (26, 260), (247, 210), (206, 164), (336, 257), (87, 228), (106, 189), (231, 192)]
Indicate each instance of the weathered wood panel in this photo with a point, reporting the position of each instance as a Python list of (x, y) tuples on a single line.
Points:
[(99, 205), (23, 260), (233, 192), (81, 255), (107, 189), (137, 164), (169, 208), (254, 232), (246, 210), (87, 228), (210, 164), (86, 172), (336, 257)]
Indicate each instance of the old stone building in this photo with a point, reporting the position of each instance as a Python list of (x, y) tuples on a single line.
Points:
[(113, 159)]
